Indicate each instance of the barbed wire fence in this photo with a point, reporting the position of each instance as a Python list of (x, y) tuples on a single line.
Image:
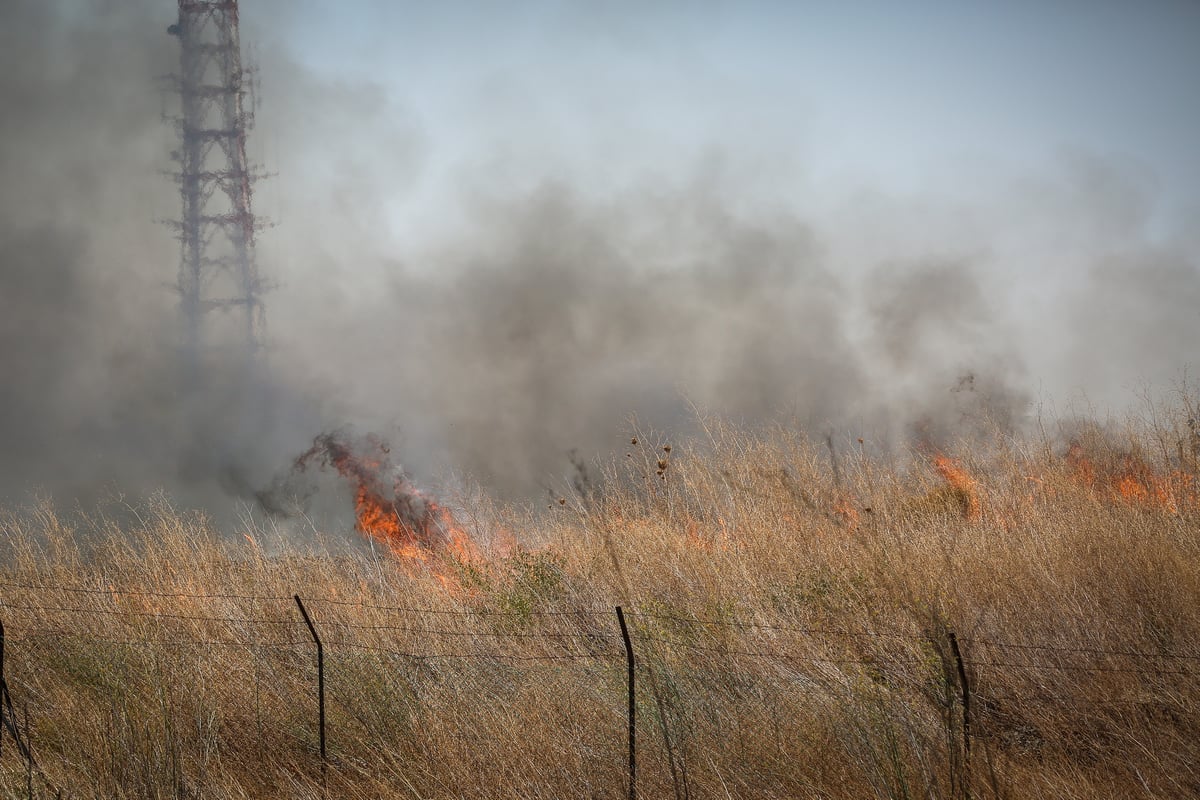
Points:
[(326, 668)]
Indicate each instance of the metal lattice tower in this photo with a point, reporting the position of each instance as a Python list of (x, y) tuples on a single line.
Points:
[(217, 270)]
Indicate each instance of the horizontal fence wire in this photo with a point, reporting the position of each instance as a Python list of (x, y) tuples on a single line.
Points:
[(484, 634), (751, 685), (33, 634), (608, 635), (742, 625), (480, 655), (724, 651), (1082, 650), (36, 635), (1122, 703), (115, 591), (122, 612), (534, 613)]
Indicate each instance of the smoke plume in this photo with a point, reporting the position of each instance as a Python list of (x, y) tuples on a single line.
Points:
[(542, 321)]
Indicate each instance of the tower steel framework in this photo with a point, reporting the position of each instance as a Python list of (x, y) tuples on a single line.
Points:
[(217, 270)]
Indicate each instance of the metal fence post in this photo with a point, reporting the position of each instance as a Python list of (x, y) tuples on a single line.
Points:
[(8, 716), (965, 687), (632, 707), (3, 685), (320, 680)]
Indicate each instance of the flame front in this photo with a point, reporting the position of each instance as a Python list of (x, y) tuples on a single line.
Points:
[(964, 487), (1131, 480), (397, 515)]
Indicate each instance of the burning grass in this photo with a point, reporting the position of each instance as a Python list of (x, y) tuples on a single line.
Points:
[(791, 612), (388, 508)]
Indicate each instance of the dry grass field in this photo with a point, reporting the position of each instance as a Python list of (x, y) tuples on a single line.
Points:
[(795, 616)]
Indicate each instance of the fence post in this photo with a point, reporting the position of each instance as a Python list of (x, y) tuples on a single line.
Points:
[(965, 686), (320, 681), (8, 717), (3, 685), (632, 707)]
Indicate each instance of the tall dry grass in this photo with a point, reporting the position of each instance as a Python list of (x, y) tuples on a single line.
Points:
[(791, 607)]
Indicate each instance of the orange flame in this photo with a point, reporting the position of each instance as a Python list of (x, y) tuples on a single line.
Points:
[(846, 512), (1131, 480), (704, 535), (694, 536), (400, 516), (1081, 466), (960, 481)]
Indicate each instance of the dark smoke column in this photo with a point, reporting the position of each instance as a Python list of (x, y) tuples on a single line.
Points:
[(217, 269)]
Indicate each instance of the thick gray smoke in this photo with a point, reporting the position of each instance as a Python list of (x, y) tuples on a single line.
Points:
[(540, 325), (79, 266), (94, 399)]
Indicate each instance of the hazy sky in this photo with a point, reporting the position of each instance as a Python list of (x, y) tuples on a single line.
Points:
[(913, 97), (1034, 139), (1047, 148)]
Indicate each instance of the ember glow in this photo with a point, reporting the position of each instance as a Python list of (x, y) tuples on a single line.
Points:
[(387, 507), (846, 512), (961, 483), (1129, 479)]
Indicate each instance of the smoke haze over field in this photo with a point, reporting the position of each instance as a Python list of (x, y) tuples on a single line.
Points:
[(495, 299)]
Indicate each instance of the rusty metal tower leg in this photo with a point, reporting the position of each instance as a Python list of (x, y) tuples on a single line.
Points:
[(217, 270)]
